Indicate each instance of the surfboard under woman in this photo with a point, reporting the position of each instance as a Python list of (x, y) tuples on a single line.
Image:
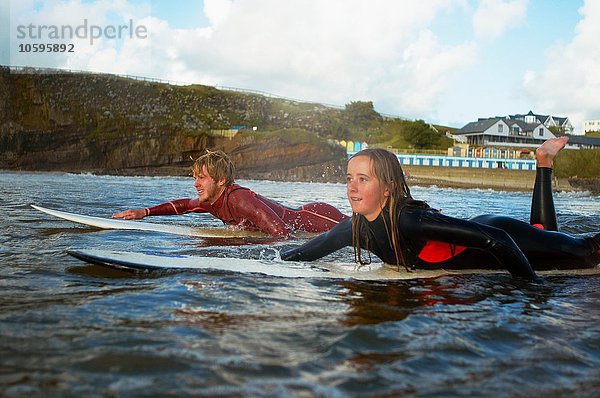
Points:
[(400, 230)]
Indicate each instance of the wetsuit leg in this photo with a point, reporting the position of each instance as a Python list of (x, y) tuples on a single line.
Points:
[(542, 202), (315, 217), (545, 249)]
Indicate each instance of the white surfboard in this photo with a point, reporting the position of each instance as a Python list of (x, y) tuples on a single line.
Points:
[(286, 269), (110, 223)]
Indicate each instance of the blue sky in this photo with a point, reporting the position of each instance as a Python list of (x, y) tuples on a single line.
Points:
[(444, 61)]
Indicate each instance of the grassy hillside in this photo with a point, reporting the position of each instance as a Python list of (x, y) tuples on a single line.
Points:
[(583, 163)]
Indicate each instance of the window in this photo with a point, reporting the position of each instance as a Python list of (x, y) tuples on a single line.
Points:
[(541, 131), (500, 126)]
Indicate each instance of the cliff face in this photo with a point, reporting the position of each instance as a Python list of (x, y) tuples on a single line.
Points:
[(108, 124), (298, 160)]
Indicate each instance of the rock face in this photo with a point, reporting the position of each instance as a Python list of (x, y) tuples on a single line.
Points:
[(107, 124), (586, 184), (300, 161)]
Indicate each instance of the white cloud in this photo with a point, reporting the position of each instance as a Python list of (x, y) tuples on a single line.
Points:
[(37, 19), (334, 51), (217, 11), (4, 32), (331, 51), (570, 83), (494, 17), (424, 73)]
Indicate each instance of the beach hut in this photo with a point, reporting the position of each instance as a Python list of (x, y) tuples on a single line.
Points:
[(350, 146), (357, 146), (454, 151), (524, 153)]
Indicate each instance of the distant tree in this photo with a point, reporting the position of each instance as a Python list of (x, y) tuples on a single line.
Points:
[(556, 130), (361, 114), (338, 129), (420, 135)]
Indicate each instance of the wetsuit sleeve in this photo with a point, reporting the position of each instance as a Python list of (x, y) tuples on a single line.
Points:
[(428, 225), (246, 205), (336, 238), (179, 206)]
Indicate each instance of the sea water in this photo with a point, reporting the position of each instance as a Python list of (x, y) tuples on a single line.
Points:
[(72, 329)]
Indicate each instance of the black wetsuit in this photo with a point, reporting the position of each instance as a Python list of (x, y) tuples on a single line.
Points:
[(431, 240)]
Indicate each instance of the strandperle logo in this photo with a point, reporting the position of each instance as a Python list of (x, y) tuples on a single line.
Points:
[(82, 31)]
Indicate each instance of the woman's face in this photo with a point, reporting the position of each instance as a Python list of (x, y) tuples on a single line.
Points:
[(366, 194)]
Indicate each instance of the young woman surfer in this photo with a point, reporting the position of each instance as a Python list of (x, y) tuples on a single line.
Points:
[(400, 230)]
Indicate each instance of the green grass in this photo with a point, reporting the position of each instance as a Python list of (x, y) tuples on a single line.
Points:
[(290, 136), (583, 163)]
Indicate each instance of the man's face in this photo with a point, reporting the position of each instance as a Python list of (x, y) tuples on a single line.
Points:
[(208, 189)]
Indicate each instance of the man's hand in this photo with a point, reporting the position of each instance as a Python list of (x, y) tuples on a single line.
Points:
[(131, 214)]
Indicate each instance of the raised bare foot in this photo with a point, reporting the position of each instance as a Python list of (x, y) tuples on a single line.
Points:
[(546, 153)]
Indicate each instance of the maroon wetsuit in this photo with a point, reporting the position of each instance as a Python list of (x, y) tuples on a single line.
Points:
[(242, 207)]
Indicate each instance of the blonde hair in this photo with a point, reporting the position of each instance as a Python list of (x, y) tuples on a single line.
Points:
[(218, 165), (387, 169)]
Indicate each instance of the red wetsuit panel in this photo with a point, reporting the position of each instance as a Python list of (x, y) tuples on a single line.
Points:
[(245, 208), (435, 251)]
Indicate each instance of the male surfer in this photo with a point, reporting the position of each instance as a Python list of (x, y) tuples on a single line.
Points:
[(235, 205)]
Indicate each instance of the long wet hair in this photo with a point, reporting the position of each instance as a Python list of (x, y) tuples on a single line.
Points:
[(387, 169)]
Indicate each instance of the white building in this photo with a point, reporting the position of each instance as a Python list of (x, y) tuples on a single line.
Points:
[(505, 132), (591, 125), (563, 124)]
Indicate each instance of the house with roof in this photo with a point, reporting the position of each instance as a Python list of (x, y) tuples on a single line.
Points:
[(563, 124), (504, 132), (579, 142)]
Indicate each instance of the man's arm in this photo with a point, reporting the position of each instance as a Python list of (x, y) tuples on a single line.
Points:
[(179, 206)]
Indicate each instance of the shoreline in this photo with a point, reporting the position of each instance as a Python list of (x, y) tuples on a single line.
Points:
[(444, 177), (496, 179)]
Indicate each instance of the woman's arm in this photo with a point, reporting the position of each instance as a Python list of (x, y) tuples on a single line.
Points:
[(333, 240)]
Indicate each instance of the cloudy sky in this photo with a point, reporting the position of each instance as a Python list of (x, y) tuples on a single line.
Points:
[(444, 61)]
